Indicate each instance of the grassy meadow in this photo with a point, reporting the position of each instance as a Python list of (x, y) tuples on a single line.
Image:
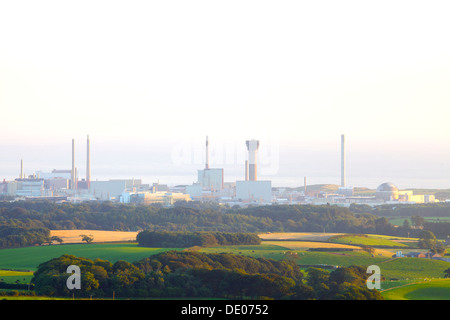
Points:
[(29, 258), (424, 290), (9, 276), (400, 220), (368, 240)]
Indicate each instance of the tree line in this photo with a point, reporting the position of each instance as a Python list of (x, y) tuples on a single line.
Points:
[(438, 209), (11, 237), (173, 239), (185, 217), (194, 274), (195, 216)]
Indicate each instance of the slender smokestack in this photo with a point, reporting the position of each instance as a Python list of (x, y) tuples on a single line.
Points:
[(76, 179), (88, 163), (207, 153), (73, 165), (21, 169), (252, 147), (305, 184), (246, 170), (342, 161)]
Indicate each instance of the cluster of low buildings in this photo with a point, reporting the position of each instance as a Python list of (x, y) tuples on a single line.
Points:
[(386, 193), (65, 185), (422, 255), (210, 186)]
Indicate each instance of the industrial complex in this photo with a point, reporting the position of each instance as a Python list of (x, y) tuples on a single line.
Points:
[(66, 185)]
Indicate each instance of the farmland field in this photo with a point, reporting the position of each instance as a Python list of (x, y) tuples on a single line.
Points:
[(400, 220), (311, 236), (29, 258), (304, 245), (404, 270), (270, 251), (426, 290), (413, 268), (303, 257), (14, 276), (368, 240), (73, 236)]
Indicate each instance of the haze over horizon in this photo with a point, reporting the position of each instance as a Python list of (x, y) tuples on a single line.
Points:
[(149, 80)]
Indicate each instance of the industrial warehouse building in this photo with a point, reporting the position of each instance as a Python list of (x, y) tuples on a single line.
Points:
[(254, 191), (211, 179)]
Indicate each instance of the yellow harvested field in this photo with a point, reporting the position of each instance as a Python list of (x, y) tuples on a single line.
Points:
[(304, 245), (384, 252), (73, 236), (313, 236)]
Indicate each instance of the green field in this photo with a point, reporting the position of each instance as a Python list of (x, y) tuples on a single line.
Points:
[(426, 290), (413, 268), (302, 257), (398, 221), (267, 251), (403, 270), (398, 268), (29, 258), (14, 276), (368, 240)]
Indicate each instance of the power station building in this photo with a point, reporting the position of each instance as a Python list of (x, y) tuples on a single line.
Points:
[(30, 187), (389, 193), (210, 181), (251, 189), (254, 191), (113, 189), (161, 197), (210, 178)]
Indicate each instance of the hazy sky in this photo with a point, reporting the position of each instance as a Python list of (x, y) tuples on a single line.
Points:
[(148, 80)]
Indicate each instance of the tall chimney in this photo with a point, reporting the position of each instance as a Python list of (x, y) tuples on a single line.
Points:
[(207, 153), (72, 183), (246, 170), (252, 147), (88, 163), (342, 161), (76, 179), (305, 184), (21, 168)]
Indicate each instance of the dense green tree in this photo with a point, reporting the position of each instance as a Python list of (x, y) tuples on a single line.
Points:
[(427, 240), (87, 238), (57, 239), (447, 273), (406, 224), (417, 221), (193, 274)]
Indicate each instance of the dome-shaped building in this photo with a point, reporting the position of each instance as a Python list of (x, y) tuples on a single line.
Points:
[(387, 191)]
